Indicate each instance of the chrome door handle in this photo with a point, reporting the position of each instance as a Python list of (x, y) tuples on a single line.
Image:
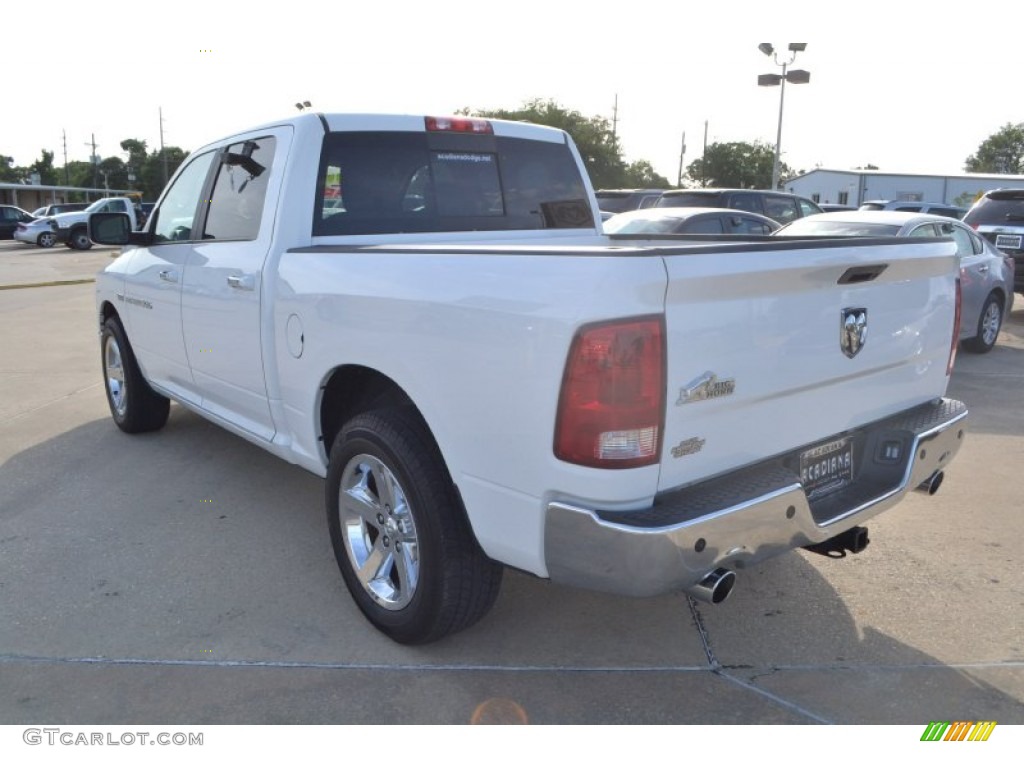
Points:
[(242, 282), (169, 275)]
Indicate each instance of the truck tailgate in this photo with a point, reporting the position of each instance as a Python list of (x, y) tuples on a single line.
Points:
[(783, 345)]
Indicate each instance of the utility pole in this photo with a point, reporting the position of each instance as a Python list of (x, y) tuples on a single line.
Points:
[(163, 154), (615, 125), (682, 154), (95, 160), (704, 159), (67, 178)]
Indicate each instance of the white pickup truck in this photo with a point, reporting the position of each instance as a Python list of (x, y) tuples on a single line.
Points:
[(72, 228), (425, 312)]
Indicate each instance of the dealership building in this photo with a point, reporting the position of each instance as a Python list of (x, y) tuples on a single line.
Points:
[(32, 196), (855, 187)]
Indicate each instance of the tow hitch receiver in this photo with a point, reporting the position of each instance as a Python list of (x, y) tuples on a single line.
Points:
[(854, 540)]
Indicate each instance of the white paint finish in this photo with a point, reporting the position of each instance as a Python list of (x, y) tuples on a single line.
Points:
[(475, 328), (155, 325), (771, 321)]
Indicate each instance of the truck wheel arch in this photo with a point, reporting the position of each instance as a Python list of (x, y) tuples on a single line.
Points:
[(352, 389)]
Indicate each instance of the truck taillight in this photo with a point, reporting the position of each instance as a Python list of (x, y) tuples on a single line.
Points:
[(459, 124), (612, 403), (956, 331)]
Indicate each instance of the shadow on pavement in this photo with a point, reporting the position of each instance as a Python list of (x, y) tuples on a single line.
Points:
[(186, 576)]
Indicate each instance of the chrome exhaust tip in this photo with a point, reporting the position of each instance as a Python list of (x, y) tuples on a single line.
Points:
[(931, 485), (714, 587)]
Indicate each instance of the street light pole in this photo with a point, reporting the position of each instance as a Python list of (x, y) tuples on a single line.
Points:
[(795, 76), (778, 134)]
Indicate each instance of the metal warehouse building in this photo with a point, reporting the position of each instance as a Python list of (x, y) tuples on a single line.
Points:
[(855, 187)]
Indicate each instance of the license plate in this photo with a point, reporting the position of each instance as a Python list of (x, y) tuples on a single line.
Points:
[(827, 467), (1008, 241)]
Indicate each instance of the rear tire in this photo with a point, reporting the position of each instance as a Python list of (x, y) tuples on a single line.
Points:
[(134, 406), (46, 240), (400, 536), (989, 323), (79, 240)]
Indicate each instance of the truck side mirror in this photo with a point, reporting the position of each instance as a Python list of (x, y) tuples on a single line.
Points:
[(115, 229)]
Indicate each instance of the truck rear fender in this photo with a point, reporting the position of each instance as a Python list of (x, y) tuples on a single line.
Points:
[(349, 390)]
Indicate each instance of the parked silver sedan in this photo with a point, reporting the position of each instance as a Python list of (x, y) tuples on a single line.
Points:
[(986, 275), (41, 232), (689, 221)]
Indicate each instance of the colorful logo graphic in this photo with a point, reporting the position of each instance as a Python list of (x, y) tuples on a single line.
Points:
[(960, 730)]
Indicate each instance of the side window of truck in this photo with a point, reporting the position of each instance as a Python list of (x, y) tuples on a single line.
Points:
[(177, 210), (236, 203)]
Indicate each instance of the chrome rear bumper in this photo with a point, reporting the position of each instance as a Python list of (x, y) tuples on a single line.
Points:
[(748, 515)]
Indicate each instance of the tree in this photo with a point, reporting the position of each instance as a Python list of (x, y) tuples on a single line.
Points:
[(597, 144), (1002, 152), (136, 150), (7, 170), (113, 173), (151, 179), (737, 164), (641, 174), (44, 167), (79, 173)]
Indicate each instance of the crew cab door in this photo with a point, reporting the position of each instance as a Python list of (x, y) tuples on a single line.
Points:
[(152, 298), (222, 288)]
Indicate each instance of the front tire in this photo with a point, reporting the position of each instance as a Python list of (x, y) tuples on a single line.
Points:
[(989, 323), (79, 240), (400, 536), (46, 240), (134, 406)]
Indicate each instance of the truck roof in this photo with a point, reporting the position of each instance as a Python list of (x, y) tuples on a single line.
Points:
[(339, 121)]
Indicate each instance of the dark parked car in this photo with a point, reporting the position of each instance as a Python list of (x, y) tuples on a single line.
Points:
[(783, 207), (10, 217), (619, 200), (689, 221), (55, 208), (998, 216)]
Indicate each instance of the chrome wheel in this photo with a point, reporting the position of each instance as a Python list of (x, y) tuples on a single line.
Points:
[(46, 240), (991, 321), (114, 374), (379, 532)]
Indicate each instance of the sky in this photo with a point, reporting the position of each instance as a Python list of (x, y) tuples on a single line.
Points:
[(909, 87)]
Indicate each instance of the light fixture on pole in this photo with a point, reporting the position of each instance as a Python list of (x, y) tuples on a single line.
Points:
[(302, 105), (795, 76)]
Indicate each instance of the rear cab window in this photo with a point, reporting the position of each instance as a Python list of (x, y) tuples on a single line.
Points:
[(377, 182)]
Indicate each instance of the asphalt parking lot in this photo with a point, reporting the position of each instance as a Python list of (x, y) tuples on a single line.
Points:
[(186, 577)]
